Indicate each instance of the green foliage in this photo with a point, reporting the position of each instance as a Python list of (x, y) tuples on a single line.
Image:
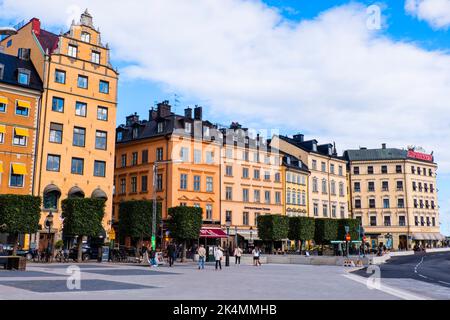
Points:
[(19, 213), (273, 227), (301, 228), (325, 230), (353, 224), (83, 216), (59, 244), (136, 217), (185, 222)]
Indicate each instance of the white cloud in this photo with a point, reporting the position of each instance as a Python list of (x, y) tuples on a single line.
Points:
[(435, 12), (329, 76)]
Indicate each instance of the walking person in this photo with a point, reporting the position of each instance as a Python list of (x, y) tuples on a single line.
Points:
[(237, 255), (201, 257), (218, 254), (256, 255), (171, 253)]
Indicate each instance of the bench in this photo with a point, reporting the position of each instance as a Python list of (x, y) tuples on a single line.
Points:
[(13, 262)]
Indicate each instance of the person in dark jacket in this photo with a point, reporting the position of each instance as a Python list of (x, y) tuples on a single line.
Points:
[(171, 253)]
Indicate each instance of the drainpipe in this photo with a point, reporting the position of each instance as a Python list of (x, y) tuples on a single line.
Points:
[(407, 206)]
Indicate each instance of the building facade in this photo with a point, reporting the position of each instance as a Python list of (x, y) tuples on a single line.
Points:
[(327, 185), (393, 193), (20, 100), (295, 187), (77, 121), (187, 153), (252, 183)]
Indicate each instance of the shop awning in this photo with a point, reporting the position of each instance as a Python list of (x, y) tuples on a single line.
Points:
[(3, 100), (51, 188), (99, 194), (428, 236), (23, 104), (417, 236), (2, 129), (21, 132), (247, 236), (19, 168), (212, 233), (1, 167)]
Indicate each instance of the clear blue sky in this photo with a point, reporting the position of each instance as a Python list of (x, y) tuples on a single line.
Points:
[(138, 94)]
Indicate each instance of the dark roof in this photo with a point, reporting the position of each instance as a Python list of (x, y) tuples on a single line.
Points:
[(48, 40), (10, 74), (376, 154), (308, 146), (294, 163)]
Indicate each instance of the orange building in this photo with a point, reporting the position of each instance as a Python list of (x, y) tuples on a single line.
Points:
[(78, 118), (252, 183), (188, 172)]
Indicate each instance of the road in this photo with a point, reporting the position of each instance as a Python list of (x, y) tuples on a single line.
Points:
[(427, 274)]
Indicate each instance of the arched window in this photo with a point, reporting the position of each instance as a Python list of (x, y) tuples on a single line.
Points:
[(76, 192), (51, 197)]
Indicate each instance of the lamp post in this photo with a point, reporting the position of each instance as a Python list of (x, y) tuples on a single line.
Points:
[(227, 250), (251, 236), (155, 182), (48, 224), (236, 236)]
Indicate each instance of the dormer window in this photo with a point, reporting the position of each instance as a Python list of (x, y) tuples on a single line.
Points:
[(314, 147), (135, 133), (206, 131), (160, 127), (85, 37), (119, 136), (24, 77)]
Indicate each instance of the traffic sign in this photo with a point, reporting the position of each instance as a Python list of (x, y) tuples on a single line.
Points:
[(112, 234), (364, 239), (347, 237)]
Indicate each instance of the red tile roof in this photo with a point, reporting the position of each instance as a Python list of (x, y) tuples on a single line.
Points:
[(48, 41)]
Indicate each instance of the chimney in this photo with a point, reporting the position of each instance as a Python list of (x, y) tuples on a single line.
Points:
[(383, 146), (36, 26), (164, 109), (188, 113), (152, 114), (299, 137), (198, 114), (132, 119)]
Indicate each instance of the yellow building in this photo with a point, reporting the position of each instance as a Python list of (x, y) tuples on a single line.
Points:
[(393, 193), (77, 122), (327, 183), (295, 186), (251, 183), (20, 100), (190, 178)]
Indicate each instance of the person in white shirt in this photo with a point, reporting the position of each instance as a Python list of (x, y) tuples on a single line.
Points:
[(218, 254), (256, 254), (237, 255)]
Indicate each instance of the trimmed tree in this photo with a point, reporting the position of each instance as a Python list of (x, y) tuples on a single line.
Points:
[(301, 229), (136, 218), (83, 217), (353, 225), (19, 214), (326, 230), (184, 224), (273, 228)]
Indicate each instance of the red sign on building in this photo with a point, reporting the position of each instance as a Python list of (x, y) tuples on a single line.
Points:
[(420, 156)]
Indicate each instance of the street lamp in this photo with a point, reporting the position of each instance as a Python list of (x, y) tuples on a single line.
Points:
[(155, 182), (236, 235), (48, 224), (251, 236)]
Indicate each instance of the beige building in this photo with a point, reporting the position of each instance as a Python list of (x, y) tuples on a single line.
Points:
[(327, 190), (393, 192), (75, 154)]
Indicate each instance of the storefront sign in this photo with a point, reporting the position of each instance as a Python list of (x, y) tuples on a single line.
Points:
[(256, 208), (420, 156)]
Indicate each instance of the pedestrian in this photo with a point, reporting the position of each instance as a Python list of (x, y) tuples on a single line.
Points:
[(201, 257), (256, 254), (171, 253), (237, 255), (218, 254), (153, 262)]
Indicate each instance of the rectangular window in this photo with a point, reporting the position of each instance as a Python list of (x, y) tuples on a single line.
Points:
[(401, 203), (266, 175), (325, 210), (386, 204), (401, 221), (197, 156), (2, 135), (332, 168), (134, 158), (229, 153), (53, 162), (123, 186), (370, 170), (77, 166), (316, 209), (123, 159), (144, 183), (209, 184), (159, 182), (371, 186), (95, 57), (209, 212), (60, 76), (245, 195), (314, 164), (184, 154), (3, 103), (324, 167), (79, 136), (277, 177), (144, 156), (56, 132), (398, 169), (277, 197), (358, 203), (82, 82), (333, 211), (245, 173), (256, 174), (73, 51), (387, 221), (385, 185), (228, 215), (17, 176), (197, 182), (229, 171), (85, 37), (133, 184), (99, 168), (80, 109), (384, 169), (22, 109), (342, 212), (24, 77), (373, 221), (159, 154), (183, 181), (245, 218), (20, 137), (229, 193), (58, 104), (101, 140), (372, 203), (357, 187), (355, 170), (104, 87), (267, 197), (341, 171), (399, 185), (256, 196), (102, 113)]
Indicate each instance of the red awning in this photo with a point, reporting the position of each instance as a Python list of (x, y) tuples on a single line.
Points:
[(212, 233)]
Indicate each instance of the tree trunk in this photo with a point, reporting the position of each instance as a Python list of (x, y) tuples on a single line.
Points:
[(16, 238), (139, 247), (80, 249), (183, 254), (301, 246)]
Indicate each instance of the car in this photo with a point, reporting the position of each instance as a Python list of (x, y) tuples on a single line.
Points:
[(88, 252)]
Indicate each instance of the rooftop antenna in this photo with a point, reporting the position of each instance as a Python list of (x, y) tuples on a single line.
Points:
[(176, 101)]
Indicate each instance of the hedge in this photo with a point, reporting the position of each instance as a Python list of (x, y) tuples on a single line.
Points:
[(136, 217)]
